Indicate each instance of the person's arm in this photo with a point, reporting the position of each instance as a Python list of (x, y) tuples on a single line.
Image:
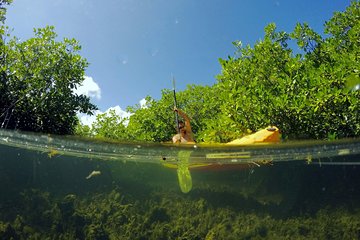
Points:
[(187, 123), (186, 118)]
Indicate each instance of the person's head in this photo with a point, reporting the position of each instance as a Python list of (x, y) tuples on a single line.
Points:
[(182, 127)]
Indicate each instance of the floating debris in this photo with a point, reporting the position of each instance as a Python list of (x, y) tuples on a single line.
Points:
[(93, 174), (52, 152), (344, 152)]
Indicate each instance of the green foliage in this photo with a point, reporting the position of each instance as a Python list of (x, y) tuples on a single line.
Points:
[(3, 9), (109, 125), (305, 96), (156, 122), (153, 122), (309, 95), (38, 79), (83, 130), (254, 82)]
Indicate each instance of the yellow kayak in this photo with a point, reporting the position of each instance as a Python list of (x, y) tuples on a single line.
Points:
[(270, 134), (184, 165)]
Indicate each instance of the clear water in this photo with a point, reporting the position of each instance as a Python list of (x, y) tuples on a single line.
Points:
[(70, 188)]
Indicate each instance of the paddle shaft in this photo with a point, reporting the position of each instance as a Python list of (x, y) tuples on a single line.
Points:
[(175, 105)]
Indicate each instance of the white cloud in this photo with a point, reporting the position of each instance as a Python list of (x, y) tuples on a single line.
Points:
[(89, 88), (143, 103), (89, 120), (119, 111)]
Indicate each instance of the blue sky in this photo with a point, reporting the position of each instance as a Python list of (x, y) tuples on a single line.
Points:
[(135, 46)]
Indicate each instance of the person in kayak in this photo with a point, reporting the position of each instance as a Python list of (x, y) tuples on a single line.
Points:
[(185, 133)]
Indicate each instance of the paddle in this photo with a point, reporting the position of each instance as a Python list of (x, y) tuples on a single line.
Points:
[(175, 105)]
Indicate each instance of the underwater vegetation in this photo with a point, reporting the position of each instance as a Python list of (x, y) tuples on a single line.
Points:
[(65, 197), (116, 215)]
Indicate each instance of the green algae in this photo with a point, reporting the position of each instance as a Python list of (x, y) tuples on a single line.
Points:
[(116, 215)]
